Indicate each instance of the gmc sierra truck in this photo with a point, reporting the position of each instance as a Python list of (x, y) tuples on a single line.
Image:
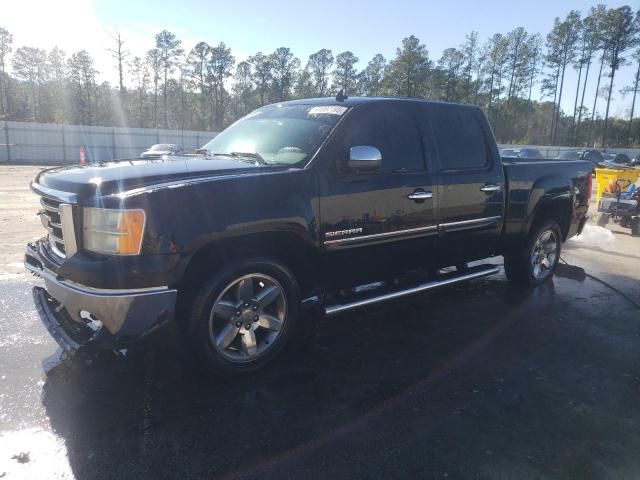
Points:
[(322, 205)]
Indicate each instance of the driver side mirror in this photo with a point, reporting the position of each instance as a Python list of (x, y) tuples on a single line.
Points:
[(364, 158)]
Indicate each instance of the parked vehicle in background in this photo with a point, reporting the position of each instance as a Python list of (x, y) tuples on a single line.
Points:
[(508, 152), (622, 205), (531, 153), (160, 149), (616, 158), (590, 155), (323, 205)]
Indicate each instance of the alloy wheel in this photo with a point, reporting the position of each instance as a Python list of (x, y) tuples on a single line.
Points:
[(248, 317), (544, 254)]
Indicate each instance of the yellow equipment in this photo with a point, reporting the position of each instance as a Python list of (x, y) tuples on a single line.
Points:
[(610, 179)]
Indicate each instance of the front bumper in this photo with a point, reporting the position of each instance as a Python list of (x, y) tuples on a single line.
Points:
[(77, 315)]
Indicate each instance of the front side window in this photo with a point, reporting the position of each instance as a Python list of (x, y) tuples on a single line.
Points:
[(279, 134), (393, 130)]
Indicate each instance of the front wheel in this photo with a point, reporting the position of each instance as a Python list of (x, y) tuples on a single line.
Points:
[(244, 315), (537, 260)]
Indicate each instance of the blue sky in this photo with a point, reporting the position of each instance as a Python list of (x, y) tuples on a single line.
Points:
[(248, 26)]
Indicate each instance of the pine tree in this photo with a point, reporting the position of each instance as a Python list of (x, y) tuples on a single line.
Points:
[(82, 77), (284, 66), (372, 76), (30, 65), (591, 41), (6, 39), (261, 65), (169, 49), (319, 66), (345, 73), (561, 51), (619, 34), (408, 73)]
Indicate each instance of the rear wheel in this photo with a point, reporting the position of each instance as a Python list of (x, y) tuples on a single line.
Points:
[(244, 315), (635, 226), (536, 261)]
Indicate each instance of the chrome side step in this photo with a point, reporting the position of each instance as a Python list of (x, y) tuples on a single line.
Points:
[(474, 272)]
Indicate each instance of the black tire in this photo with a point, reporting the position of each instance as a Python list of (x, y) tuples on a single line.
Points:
[(635, 226), (201, 333), (519, 266), (602, 220)]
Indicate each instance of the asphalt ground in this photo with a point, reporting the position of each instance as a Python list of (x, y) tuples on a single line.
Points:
[(476, 381)]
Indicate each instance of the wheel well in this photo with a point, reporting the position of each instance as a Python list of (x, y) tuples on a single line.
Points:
[(560, 211), (288, 248)]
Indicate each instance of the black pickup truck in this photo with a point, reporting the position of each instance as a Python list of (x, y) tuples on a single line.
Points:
[(321, 205)]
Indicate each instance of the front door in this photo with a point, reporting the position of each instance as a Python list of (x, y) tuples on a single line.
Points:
[(382, 220)]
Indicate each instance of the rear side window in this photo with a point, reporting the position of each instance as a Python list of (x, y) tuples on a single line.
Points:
[(459, 138), (393, 130)]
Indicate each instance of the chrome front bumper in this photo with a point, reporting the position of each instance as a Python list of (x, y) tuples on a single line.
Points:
[(124, 315)]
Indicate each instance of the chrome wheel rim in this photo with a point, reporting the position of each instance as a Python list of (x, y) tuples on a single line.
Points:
[(544, 254), (247, 318)]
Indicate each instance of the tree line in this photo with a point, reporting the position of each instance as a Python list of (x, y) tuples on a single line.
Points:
[(205, 88)]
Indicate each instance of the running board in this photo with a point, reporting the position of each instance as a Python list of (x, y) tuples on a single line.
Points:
[(447, 279)]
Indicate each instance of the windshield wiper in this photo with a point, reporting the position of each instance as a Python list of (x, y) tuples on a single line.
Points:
[(252, 157)]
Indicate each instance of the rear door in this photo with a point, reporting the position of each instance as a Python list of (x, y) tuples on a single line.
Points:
[(370, 219), (471, 181)]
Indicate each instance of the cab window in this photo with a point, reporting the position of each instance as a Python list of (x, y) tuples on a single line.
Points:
[(458, 137), (392, 129)]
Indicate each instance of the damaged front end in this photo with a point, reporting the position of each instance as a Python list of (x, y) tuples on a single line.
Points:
[(76, 312), (81, 316)]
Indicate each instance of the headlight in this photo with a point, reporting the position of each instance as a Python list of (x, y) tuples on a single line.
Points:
[(113, 231)]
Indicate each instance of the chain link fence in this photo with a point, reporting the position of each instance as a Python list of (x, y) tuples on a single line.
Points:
[(555, 151)]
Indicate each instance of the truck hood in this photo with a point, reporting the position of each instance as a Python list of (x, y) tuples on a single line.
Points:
[(122, 175)]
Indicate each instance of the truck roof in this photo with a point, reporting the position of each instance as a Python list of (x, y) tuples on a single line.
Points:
[(353, 101)]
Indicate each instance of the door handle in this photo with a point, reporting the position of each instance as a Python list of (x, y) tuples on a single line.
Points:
[(491, 188), (420, 195)]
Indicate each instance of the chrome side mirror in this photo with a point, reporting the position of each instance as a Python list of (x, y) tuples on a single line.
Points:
[(364, 158)]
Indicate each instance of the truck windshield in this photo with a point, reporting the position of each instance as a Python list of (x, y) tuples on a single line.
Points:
[(279, 134)]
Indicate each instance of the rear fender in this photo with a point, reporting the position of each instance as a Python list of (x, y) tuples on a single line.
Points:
[(550, 199)]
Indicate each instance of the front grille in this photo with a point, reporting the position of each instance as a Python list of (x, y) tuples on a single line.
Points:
[(51, 217), (57, 214)]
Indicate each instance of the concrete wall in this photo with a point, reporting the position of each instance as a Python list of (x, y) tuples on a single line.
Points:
[(51, 144), (553, 152)]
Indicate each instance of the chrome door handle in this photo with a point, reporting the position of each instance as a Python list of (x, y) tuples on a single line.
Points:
[(420, 195), (491, 188)]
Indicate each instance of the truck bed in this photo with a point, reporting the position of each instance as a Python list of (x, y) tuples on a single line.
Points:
[(528, 190)]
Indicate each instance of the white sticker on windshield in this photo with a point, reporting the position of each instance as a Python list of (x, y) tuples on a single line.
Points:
[(327, 110)]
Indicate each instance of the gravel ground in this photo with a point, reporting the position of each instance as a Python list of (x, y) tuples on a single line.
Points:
[(18, 220)]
